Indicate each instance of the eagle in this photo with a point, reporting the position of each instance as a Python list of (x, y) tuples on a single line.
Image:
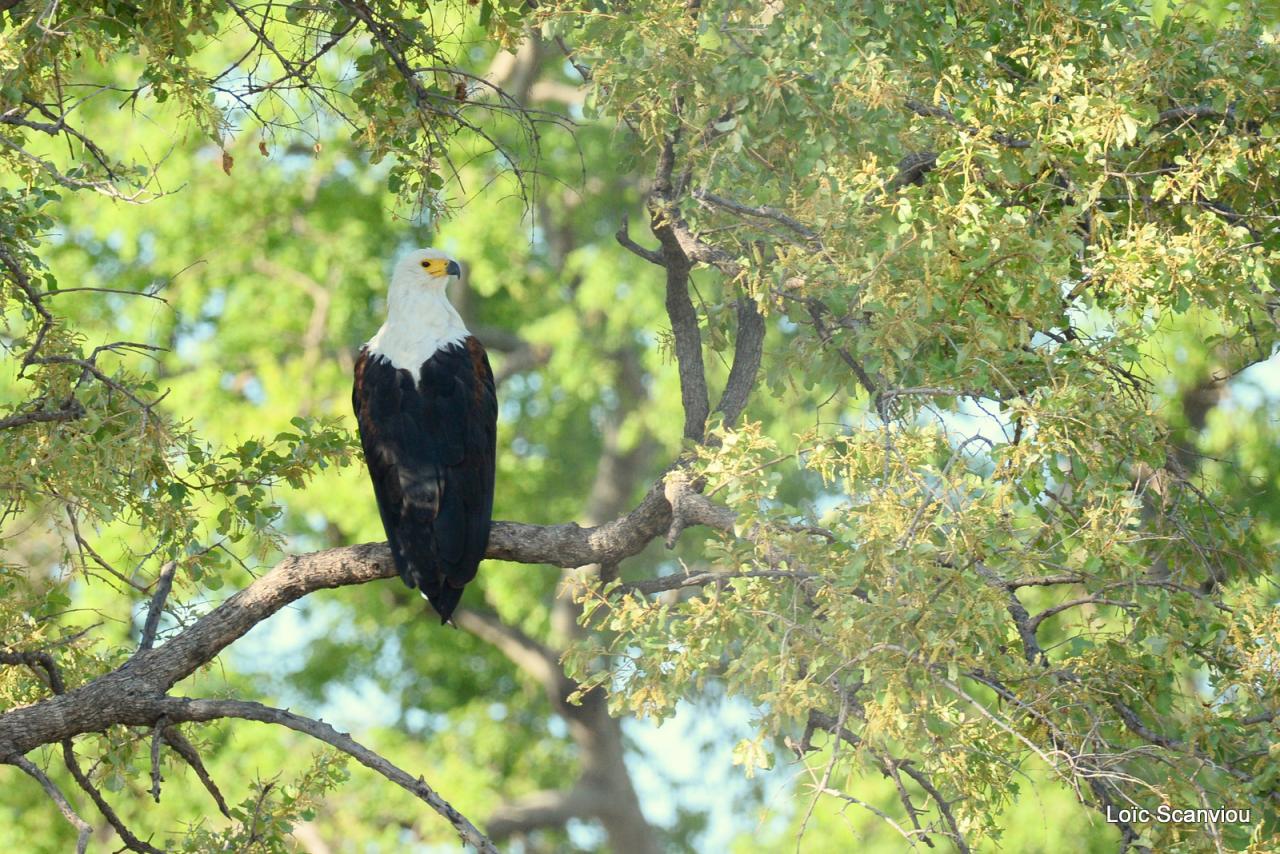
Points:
[(427, 414)]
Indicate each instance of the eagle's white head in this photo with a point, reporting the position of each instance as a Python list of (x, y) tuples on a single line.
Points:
[(424, 268), (420, 318)]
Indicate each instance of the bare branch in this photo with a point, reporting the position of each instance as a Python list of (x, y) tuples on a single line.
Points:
[(86, 547), (187, 709), (132, 842), (156, 737), (817, 311), (583, 71), (83, 830), (1018, 613), (944, 806), (184, 748), (889, 766), (34, 659), (1073, 603), (58, 125), (748, 350), (761, 212), (70, 410), (623, 236), (547, 809), (1044, 580), (156, 607)]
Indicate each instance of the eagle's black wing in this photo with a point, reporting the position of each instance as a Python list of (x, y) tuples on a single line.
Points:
[(430, 443)]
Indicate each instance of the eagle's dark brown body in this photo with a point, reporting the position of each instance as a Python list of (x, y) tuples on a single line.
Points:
[(429, 441)]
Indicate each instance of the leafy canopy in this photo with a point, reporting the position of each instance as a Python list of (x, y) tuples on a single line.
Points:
[(990, 516)]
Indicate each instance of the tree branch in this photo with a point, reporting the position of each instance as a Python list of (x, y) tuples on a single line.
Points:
[(184, 748), (128, 694), (911, 170), (889, 766), (817, 310), (523, 651), (132, 842), (69, 411), (676, 581), (34, 659), (623, 236), (759, 212), (188, 709), (928, 110), (83, 830), (551, 808), (156, 607), (664, 219), (684, 327), (748, 350)]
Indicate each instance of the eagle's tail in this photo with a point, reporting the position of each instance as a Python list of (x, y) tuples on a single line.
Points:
[(417, 535), (444, 597)]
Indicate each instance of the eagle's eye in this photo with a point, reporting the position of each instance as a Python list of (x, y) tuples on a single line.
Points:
[(426, 264)]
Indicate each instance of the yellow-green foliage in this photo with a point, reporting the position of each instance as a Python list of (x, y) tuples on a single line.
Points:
[(1095, 245)]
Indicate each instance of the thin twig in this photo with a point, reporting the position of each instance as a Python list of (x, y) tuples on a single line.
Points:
[(760, 212)]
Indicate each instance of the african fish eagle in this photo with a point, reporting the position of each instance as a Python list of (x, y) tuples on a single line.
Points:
[(427, 414)]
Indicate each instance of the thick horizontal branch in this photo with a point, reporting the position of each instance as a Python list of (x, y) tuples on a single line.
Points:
[(136, 693), (128, 694), (570, 545)]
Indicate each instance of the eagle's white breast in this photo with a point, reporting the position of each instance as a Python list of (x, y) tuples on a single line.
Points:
[(420, 321)]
